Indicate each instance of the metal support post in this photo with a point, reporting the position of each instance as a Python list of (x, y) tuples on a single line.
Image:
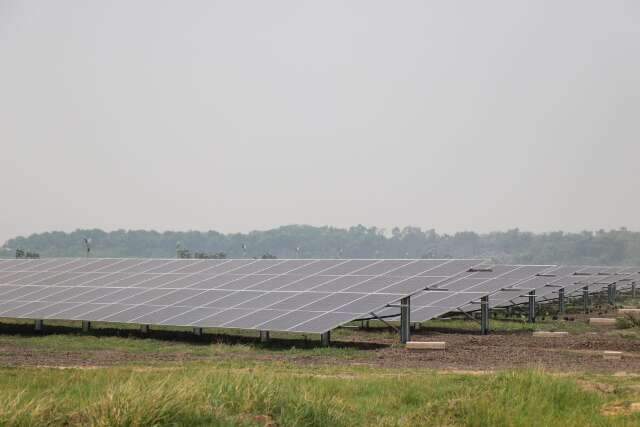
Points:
[(484, 324), (325, 339), (264, 336), (405, 320), (86, 325), (532, 307), (39, 325), (614, 293), (144, 329), (610, 295), (586, 303), (197, 331), (561, 301)]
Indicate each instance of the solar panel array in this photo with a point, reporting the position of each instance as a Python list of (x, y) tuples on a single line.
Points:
[(571, 279), (303, 295), (595, 279), (467, 289), (508, 285)]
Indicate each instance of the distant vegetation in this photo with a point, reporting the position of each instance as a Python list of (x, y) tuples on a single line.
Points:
[(21, 253), (614, 247)]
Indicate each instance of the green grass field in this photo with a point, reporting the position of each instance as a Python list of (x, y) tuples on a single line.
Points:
[(285, 395)]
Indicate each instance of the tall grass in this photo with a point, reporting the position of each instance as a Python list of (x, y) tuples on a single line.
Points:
[(283, 395)]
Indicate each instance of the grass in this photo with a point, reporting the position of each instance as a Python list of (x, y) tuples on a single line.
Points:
[(510, 325), (239, 394)]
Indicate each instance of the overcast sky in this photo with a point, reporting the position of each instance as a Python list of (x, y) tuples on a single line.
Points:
[(243, 115)]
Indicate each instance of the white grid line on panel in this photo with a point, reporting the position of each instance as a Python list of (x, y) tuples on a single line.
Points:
[(328, 294), (247, 289), (339, 263), (82, 293), (56, 274), (89, 288), (404, 279), (251, 262)]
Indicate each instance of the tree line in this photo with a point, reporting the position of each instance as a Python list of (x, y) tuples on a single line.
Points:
[(612, 247)]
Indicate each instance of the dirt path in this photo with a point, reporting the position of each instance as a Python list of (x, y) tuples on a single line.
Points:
[(466, 352)]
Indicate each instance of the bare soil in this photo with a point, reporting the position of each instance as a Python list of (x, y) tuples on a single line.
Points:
[(15, 356), (574, 353), (465, 352)]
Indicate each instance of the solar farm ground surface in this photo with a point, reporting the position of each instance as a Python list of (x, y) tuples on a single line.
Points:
[(116, 376)]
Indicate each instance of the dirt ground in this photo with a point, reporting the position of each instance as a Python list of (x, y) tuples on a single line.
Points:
[(502, 350), (574, 353)]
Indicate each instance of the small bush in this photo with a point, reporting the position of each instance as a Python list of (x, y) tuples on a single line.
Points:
[(623, 323), (628, 321)]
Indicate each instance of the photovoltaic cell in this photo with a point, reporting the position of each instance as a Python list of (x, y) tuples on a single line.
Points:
[(234, 299), (192, 315), (267, 300), (323, 322), (306, 283), (155, 317)]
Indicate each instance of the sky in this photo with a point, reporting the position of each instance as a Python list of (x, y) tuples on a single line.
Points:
[(244, 115)]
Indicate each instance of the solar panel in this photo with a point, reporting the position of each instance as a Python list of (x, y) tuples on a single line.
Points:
[(465, 290), (280, 295), (507, 285), (542, 283), (574, 278)]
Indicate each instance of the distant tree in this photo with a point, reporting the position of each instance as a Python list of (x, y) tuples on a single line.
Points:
[(184, 254), (267, 255), (22, 254), (204, 255)]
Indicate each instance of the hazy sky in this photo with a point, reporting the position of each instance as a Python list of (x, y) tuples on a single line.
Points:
[(242, 115)]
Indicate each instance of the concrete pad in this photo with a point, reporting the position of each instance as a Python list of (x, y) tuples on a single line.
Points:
[(602, 321), (612, 355), (426, 345), (548, 334)]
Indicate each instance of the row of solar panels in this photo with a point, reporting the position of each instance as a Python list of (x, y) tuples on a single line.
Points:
[(301, 295), (508, 285)]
